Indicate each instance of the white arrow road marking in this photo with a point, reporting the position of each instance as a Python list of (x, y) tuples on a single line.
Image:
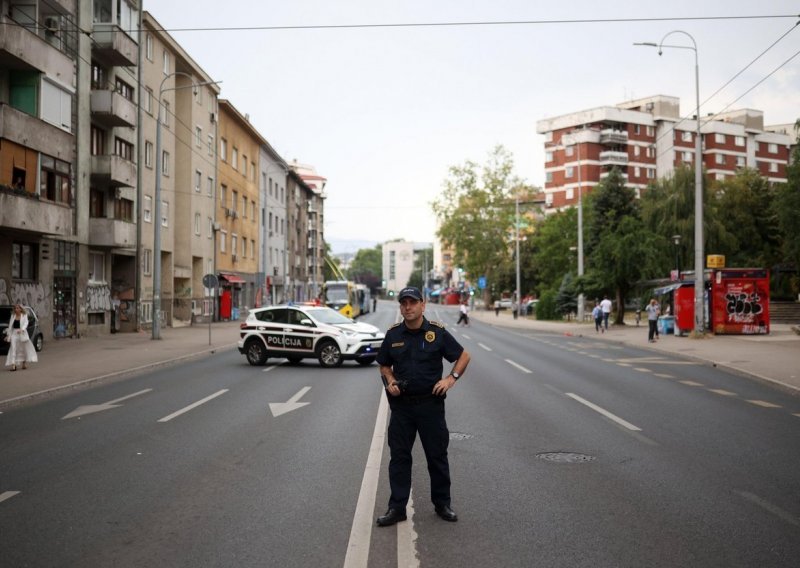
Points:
[(7, 495), (518, 366), (191, 406), (92, 408), (278, 408), (605, 413)]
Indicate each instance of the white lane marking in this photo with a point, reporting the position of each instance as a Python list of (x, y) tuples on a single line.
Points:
[(518, 366), (624, 364), (192, 406), (764, 404), (642, 370), (268, 369), (465, 336), (92, 408), (7, 495), (278, 408), (485, 347), (722, 392), (775, 510), (605, 413), (361, 530), (407, 538), (664, 376), (798, 415), (691, 383)]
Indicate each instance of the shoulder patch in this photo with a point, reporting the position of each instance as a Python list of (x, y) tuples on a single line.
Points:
[(436, 323), (395, 325)]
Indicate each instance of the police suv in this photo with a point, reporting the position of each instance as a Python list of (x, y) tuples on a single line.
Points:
[(307, 332)]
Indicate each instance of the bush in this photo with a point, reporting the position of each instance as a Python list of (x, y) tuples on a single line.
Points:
[(547, 308)]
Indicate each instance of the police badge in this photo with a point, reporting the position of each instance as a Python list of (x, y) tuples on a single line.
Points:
[(430, 336)]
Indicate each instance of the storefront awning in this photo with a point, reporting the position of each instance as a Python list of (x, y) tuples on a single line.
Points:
[(670, 288), (231, 278)]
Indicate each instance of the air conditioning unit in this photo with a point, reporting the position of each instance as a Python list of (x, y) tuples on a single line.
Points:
[(52, 25), (213, 117)]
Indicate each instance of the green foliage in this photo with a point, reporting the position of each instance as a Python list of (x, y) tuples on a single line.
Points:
[(566, 298), (423, 258), (787, 209), (547, 308), (551, 254), (367, 267)]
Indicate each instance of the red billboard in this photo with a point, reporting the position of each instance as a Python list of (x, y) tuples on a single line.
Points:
[(740, 301)]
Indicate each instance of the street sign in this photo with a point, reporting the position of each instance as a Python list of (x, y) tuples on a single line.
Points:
[(482, 282), (210, 281)]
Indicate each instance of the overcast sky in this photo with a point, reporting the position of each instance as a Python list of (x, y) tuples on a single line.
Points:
[(383, 112)]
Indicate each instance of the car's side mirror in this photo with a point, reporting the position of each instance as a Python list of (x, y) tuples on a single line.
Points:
[(306, 322)]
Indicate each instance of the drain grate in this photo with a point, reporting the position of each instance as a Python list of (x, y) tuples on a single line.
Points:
[(460, 436), (565, 457)]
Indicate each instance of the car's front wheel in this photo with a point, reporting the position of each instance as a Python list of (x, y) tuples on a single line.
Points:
[(38, 343), (329, 354), (256, 352)]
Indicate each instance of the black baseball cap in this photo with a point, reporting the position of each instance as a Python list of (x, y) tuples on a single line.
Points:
[(409, 292)]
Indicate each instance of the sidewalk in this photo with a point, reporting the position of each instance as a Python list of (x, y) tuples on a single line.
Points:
[(773, 358), (71, 363)]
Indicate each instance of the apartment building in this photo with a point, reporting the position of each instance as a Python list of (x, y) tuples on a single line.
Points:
[(307, 205), (647, 139), (272, 266), (237, 212), (181, 100), (41, 254)]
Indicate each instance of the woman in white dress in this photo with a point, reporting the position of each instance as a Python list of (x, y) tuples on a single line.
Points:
[(20, 350)]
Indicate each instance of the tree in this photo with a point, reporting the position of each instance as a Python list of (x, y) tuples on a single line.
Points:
[(551, 242), (566, 298), (787, 207), (476, 214), (424, 258), (367, 267)]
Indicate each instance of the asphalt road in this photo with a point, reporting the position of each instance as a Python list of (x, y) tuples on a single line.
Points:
[(564, 452)]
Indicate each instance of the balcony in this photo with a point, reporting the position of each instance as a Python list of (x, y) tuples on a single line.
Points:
[(111, 233), (610, 158), (25, 212), (113, 171), (21, 48), (110, 109), (113, 46), (36, 134), (609, 136)]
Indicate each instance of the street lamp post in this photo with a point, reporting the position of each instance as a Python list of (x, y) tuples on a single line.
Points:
[(572, 140), (156, 331), (516, 239), (699, 280)]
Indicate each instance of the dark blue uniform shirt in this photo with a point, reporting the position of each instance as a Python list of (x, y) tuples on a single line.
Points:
[(415, 355)]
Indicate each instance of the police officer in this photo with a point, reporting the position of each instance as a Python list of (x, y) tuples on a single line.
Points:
[(410, 359)]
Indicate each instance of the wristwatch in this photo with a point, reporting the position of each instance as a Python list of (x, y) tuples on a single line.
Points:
[(455, 375)]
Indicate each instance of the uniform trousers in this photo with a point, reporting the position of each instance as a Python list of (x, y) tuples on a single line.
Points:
[(425, 416)]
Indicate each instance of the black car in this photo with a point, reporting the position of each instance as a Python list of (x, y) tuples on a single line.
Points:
[(33, 328)]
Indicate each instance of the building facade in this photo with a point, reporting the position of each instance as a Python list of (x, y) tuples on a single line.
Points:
[(273, 173), (309, 205), (647, 139)]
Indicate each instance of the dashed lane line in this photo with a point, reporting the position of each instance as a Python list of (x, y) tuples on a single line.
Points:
[(642, 370), (664, 375), (774, 509), (486, 347), (764, 404), (722, 392), (691, 383), (7, 495), (518, 366)]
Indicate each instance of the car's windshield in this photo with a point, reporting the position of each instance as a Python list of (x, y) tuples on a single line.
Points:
[(336, 294), (329, 316)]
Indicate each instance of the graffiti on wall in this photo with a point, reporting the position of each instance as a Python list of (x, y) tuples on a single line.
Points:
[(31, 294), (742, 305), (98, 298)]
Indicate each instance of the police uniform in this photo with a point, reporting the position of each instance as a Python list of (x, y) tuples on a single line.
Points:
[(415, 356)]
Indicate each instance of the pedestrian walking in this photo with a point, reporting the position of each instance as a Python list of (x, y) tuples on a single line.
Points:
[(410, 360), (21, 350), (597, 315), (605, 305), (464, 315), (653, 311)]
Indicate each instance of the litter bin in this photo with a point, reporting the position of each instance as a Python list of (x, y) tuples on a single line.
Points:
[(666, 325)]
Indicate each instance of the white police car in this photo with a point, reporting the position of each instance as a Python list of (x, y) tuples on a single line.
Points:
[(299, 332)]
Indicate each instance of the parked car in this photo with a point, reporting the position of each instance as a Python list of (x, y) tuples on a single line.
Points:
[(33, 327), (307, 332)]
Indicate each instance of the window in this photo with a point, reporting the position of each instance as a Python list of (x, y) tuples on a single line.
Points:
[(244, 247), (97, 203), (687, 156), (651, 152), (244, 165), (56, 106), (210, 145), (651, 131), (253, 171), (223, 195), (222, 238), (244, 206), (148, 46), (55, 180), (166, 62), (234, 200), (210, 186), (651, 173), (719, 159), (123, 89), (719, 138), (23, 261), (147, 261), (637, 171), (772, 148), (197, 223), (636, 151), (198, 180), (165, 162), (123, 210), (636, 129), (739, 140), (123, 149), (148, 100), (198, 136), (740, 161), (147, 209), (253, 210), (569, 193), (98, 141), (223, 149), (165, 213), (686, 136), (97, 267), (569, 172), (252, 248), (569, 150), (165, 113), (548, 177), (210, 227), (99, 79), (773, 167), (148, 154), (548, 156), (234, 158)]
